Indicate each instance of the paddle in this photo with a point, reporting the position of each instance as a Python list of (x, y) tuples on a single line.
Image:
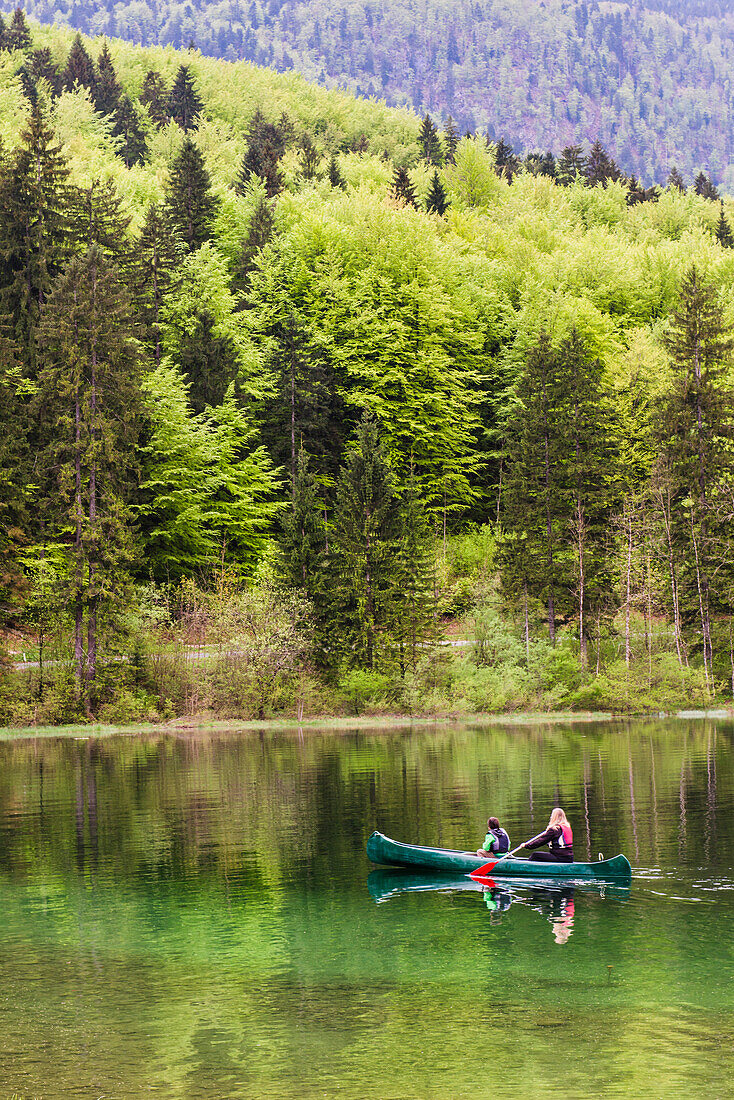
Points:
[(486, 869)]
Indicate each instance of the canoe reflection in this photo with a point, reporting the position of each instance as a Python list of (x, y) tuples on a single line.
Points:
[(555, 901)]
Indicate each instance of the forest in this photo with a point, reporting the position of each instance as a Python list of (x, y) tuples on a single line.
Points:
[(297, 390), (651, 80)]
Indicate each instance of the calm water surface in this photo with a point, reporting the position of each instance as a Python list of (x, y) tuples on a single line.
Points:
[(197, 918)]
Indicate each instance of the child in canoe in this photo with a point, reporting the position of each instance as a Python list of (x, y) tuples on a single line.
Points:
[(497, 841)]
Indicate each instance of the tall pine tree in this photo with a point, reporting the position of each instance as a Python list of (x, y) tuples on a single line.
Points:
[(190, 202), (184, 103)]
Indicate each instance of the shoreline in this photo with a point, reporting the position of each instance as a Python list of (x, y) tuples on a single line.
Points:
[(191, 725)]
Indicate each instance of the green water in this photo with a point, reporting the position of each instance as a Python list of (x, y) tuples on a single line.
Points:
[(197, 918)]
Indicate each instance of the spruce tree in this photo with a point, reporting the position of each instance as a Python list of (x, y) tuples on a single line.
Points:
[(133, 148), (265, 147), (156, 258), (436, 200), (96, 216), (89, 391), (571, 165), (184, 104), (304, 538), (723, 232), (42, 66), (310, 157), (600, 168), (415, 612), (209, 362), (79, 71), (695, 434), (506, 160), (259, 232), (450, 140), (18, 35), (156, 97), (703, 186), (429, 142), (34, 230), (107, 88), (336, 179), (402, 188), (365, 533), (675, 180), (191, 204)]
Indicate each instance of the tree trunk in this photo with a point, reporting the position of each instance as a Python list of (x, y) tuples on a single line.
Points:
[(700, 605), (78, 549), (627, 640), (583, 653), (527, 626)]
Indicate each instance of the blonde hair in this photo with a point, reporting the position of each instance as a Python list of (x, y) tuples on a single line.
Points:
[(558, 817)]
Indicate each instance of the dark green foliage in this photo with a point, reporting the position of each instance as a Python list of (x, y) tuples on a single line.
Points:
[(429, 142), (310, 157), (506, 160), (41, 66), (265, 146), (723, 230), (366, 533), (34, 230), (208, 362), (675, 180), (18, 35), (703, 186), (416, 618), (336, 179), (600, 168), (304, 539), (128, 127), (79, 71), (156, 257), (259, 233), (402, 188), (695, 434), (184, 103), (450, 139), (156, 97), (436, 200), (190, 202), (571, 165), (96, 217), (541, 164), (89, 392), (107, 88)]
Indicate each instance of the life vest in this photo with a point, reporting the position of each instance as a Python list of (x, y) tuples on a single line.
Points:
[(503, 840), (565, 840)]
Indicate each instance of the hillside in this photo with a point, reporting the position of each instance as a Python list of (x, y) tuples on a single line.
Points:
[(652, 80), (276, 369)]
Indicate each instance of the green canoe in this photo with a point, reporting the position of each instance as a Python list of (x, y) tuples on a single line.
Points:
[(381, 849)]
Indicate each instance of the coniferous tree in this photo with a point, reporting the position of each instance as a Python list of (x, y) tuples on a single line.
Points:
[(34, 230), (571, 165), (18, 34), (336, 179), (695, 433), (96, 216), (89, 391), (184, 104), (310, 157), (723, 232), (259, 233), (156, 97), (128, 127), (79, 71), (265, 147), (506, 160), (209, 362), (450, 139), (703, 186), (304, 538), (675, 180), (107, 88), (429, 142), (600, 168), (3, 33), (415, 625), (156, 255), (191, 204), (436, 200), (402, 188), (365, 534), (42, 66)]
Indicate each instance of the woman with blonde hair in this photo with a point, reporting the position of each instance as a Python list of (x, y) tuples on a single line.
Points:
[(559, 838)]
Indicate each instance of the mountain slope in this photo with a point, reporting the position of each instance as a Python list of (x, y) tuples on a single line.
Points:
[(650, 80)]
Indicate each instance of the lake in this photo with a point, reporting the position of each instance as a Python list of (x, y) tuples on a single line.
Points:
[(195, 917)]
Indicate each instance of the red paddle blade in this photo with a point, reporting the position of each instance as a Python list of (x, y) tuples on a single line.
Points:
[(485, 870), (484, 881)]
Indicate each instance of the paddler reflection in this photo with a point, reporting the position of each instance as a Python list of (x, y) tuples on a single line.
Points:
[(496, 899)]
